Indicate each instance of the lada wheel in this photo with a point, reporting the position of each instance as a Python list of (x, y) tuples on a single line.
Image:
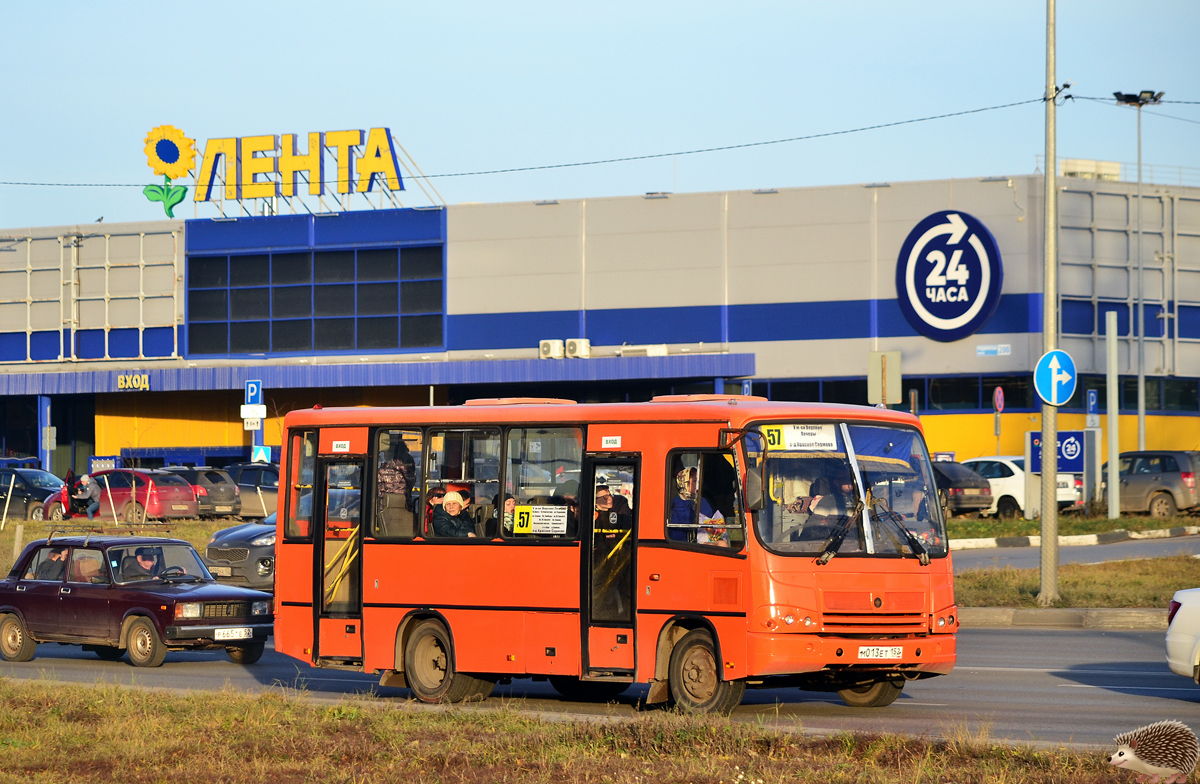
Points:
[(578, 690), (429, 668), (246, 654), (145, 647), (1162, 505), (694, 677), (872, 695), (15, 643)]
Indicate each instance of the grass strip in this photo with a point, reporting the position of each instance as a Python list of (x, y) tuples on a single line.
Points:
[(1148, 582), (60, 733), (1068, 525)]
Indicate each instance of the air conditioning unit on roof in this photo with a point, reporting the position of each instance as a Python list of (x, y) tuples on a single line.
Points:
[(579, 348), (652, 350), (550, 349)]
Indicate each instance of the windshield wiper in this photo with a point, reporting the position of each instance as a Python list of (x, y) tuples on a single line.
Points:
[(834, 542), (913, 542)]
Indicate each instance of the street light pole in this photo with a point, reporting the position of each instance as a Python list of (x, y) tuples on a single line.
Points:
[(1048, 593), (1139, 100)]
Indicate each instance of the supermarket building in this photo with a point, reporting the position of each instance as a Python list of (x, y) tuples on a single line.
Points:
[(137, 339)]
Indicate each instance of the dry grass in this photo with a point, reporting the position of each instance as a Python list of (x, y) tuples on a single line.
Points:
[(56, 733), (1068, 525), (195, 531), (1146, 582)]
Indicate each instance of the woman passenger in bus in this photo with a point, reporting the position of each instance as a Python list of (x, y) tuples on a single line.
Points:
[(683, 507), (451, 518), (433, 500), (503, 516)]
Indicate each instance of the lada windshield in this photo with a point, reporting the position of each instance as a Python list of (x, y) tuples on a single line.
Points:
[(172, 562), (838, 489)]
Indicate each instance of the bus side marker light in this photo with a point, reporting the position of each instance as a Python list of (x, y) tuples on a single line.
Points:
[(655, 578), (513, 657), (729, 665)]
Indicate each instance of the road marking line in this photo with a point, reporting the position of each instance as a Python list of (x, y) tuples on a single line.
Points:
[(1124, 688), (1140, 673)]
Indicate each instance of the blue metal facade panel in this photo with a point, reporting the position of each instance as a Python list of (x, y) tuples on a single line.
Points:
[(397, 374), (471, 331), (697, 324), (335, 229), (376, 227), (228, 234)]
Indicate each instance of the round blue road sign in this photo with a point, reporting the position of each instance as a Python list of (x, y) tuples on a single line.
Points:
[(1054, 377), (949, 276)]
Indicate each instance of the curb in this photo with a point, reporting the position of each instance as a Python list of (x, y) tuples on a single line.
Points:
[(1116, 619), (1119, 535)]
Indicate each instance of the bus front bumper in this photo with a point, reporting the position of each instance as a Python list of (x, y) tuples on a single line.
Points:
[(796, 654)]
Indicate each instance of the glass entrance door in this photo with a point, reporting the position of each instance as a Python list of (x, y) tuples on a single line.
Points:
[(609, 566), (340, 634)]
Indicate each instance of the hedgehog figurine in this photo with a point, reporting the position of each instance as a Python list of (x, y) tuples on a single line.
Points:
[(1165, 750)]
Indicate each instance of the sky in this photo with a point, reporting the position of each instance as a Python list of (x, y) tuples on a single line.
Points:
[(468, 86)]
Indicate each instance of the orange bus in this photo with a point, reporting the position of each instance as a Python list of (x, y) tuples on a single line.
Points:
[(701, 544)]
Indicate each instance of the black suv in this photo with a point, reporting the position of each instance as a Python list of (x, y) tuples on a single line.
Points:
[(258, 484), (216, 493), (30, 489)]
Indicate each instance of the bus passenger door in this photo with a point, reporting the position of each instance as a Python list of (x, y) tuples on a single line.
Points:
[(608, 565), (339, 517)]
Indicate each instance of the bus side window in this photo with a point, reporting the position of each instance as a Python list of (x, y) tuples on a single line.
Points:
[(705, 506), (541, 469), (466, 462), (397, 482), (301, 467)]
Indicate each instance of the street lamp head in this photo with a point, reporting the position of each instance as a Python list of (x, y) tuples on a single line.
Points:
[(1144, 98)]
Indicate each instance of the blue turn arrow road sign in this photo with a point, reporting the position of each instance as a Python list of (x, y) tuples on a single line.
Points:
[(1054, 377)]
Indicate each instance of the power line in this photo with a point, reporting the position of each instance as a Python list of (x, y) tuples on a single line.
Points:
[(599, 162), (1111, 102)]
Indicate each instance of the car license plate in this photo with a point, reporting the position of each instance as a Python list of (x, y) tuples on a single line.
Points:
[(221, 571), (179, 507), (224, 508), (879, 652), (233, 634), (1064, 485), (971, 491)]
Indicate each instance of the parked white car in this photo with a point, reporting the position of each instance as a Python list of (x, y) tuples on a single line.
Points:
[(1006, 475), (1183, 633)]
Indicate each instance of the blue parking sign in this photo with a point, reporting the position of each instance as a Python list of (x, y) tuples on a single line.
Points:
[(254, 393)]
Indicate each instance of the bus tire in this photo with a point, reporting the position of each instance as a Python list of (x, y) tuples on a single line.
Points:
[(578, 690), (15, 643), (429, 668), (872, 695), (694, 677)]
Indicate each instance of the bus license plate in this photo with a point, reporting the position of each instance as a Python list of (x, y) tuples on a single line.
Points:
[(880, 652), (232, 634)]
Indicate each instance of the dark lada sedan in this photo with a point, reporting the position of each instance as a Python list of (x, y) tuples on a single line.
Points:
[(117, 594)]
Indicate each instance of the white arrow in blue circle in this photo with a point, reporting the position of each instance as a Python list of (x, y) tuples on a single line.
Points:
[(1054, 377)]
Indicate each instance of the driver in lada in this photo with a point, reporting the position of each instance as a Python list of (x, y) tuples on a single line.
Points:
[(143, 566)]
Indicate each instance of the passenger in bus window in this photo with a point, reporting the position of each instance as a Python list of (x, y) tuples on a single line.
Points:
[(393, 480), (451, 518), (684, 506), (506, 515), (567, 494), (433, 501)]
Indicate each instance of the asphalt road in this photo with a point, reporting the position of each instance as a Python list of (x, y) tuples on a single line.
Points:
[(1060, 686), (1030, 557)]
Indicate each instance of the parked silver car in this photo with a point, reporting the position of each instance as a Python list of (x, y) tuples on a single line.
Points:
[(1161, 483)]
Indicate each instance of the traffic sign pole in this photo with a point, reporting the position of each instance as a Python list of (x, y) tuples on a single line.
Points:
[(1049, 562)]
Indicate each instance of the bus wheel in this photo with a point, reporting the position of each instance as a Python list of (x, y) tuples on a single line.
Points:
[(872, 695), (695, 678), (578, 690), (429, 670)]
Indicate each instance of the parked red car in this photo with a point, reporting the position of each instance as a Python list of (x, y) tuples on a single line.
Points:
[(131, 496)]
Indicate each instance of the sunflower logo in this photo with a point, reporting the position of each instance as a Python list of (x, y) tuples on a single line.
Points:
[(172, 155)]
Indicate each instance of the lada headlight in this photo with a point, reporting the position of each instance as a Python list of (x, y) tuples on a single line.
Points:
[(189, 610), (260, 608)]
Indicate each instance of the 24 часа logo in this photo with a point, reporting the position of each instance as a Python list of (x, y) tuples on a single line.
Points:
[(949, 276)]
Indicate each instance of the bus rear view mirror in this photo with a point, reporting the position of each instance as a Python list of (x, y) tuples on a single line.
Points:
[(756, 466), (754, 493)]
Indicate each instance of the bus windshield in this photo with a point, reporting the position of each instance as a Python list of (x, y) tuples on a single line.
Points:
[(837, 489)]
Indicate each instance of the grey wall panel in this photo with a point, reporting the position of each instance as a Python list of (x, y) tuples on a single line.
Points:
[(845, 205), (682, 213), (124, 280), (1075, 245), (91, 282), (1113, 282), (158, 312), (798, 263), (45, 316), (1075, 280), (124, 312), (1074, 208), (91, 314), (1112, 211), (159, 280), (14, 286), (124, 248), (43, 284), (1187, 251), (45, 252), (13, 316), (1187, 213), (1112, 247)]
